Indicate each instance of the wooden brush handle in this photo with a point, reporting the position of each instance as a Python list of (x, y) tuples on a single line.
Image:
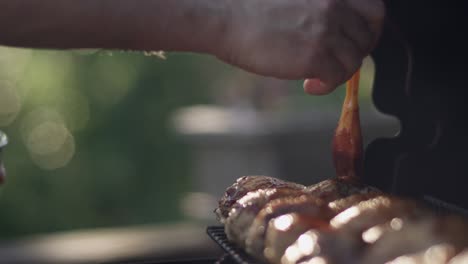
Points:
[(347, 141)]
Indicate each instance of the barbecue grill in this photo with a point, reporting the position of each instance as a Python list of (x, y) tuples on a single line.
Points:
[(418, 79)]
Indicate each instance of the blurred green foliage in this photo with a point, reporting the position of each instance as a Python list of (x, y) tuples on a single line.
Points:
[(125, 164), (128, 166)]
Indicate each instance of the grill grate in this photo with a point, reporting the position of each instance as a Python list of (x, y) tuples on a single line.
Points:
[(237, 255)]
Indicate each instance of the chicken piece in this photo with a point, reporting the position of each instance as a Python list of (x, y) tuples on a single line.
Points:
[(247, 184), (284, 230), (342, 204), (347, 141), (375, 211), (437, 254), (245, 210), (342, 242), (338, 188), (441, 237), (324, 247), (305, 205)]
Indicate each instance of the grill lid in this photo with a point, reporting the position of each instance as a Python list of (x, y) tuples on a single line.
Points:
[(421, 80)]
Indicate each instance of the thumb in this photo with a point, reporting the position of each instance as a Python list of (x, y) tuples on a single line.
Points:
[(317, 87)]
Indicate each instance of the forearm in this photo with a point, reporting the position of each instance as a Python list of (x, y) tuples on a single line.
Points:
[(175, 25)]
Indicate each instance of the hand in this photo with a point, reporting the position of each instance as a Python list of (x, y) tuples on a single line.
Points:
[(322, 41)]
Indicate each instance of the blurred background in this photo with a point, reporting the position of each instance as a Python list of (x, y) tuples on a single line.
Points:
[(114, 141)]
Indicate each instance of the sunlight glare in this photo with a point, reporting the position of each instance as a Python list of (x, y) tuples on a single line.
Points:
[(344, 217), (283, 222), (372, 234)]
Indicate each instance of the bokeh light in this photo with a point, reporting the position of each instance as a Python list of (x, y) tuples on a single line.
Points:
[(51, 145), (48, 140), (10, 103)]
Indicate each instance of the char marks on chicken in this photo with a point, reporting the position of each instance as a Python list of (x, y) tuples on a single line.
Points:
[(282, 231), (304, 204), (338, 188), (245, 185), (440, 237), (244, 211)]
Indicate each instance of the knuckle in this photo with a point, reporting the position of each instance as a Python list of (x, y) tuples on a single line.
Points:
[(376, 11), (338, 73), (310, 69), (341, 76), (348, 72)]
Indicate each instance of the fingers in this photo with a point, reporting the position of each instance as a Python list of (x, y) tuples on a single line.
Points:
[(331, 70), (349, 54), (371, 11), (359, 26), (324, 41), (316, 87), (356, 29), (341, 64)]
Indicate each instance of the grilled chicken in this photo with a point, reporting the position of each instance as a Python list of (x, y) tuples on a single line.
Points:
[(375, 211), (244, 211), (437, 254), (305, 205), (247, 184), (322, 247), (311, 206), (437, 237), (284, 230), (338, 188), (343, 241), (245, 198)]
